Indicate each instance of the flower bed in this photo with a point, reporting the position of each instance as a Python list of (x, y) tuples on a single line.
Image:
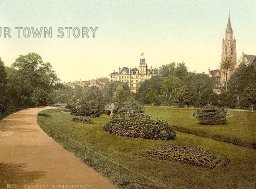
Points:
[(139, 126), (188, 155), (82, 119)]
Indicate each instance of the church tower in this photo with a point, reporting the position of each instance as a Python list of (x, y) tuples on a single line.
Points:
[(143, 65), (228, 58)]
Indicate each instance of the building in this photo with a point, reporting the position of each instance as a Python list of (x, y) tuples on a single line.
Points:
[(134, 76), (247, 59), (228, 59)]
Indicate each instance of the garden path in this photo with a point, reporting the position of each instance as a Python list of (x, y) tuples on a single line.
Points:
[(31, 159)]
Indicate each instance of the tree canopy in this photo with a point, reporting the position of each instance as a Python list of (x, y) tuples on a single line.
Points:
[(176, 85), (3, 83), (30, 81), (242, 86)]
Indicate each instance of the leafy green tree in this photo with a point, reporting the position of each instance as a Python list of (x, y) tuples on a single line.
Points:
[(175, 85), (153, 84), (241, 86), (62, 93), (168, 84), (3, 85), (183, 95), (89, 103), (151, 97), (121, 93), (30, 79), (40, 97), (202, 89)]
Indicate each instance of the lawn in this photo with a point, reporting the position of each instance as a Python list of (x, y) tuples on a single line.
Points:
[(116, 157), (240, 128)]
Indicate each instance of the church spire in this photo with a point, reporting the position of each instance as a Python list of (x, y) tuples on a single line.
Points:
[(229, 28)]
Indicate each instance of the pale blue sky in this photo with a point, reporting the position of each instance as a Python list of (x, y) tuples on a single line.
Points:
[(165, 30)]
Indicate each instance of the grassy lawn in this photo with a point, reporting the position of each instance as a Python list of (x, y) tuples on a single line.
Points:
[(241, 127), (116, 157)]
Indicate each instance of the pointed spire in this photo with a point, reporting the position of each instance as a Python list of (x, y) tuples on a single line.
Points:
[(229, 28)]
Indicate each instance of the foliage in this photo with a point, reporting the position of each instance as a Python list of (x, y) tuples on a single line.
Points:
[(3, 83), (241, 86), (89, 103), (149, 91), (176, 86), (82, 119), (139, 126), (129, 107), (183, 95), (211, 115), (188, 155), (62, 93), (121, 93), (30, 82), (92, 100)]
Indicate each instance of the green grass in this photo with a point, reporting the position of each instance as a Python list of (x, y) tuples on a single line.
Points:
[(240, 128), (115, 156)]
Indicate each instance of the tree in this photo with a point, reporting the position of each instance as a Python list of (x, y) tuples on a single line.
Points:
[(183, 95), (151, 97), (89, 103), (175, 85), (30, 81), (62, 93), (169, 84), (3, 84), (121, 93), (152, 84), (202, 89), (241, 86)]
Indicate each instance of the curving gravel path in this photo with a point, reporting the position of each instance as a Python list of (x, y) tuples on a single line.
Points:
[(31, 159)]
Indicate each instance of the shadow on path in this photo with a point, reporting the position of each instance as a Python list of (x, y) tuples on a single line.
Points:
[(15, 175)]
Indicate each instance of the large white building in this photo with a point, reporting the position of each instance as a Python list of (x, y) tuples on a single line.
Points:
[(134, 76)]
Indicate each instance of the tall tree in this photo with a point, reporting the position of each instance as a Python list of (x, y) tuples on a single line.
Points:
[(30, 81), (241, 86), (3, 83)]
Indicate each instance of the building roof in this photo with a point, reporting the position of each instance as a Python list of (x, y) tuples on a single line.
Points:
[(114, 73), (125, 70), (134, 70), (214, 73), (250, 58), (153, 71), (247, 59)]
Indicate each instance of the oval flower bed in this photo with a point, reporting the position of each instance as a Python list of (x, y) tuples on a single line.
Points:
[(139, 126), (187, 154)]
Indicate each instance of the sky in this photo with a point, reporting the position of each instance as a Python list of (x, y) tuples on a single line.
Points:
[(189, 31)]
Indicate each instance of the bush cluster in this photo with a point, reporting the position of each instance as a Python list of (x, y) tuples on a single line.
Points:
[(189, 155), (211, 115), (139, 126), (86, 109), (129, 107), (82, 119)]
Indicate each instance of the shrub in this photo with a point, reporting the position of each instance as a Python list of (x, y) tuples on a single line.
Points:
[(87, 109), (211, 115), (129, 107), (82, 119), (139, 126)]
